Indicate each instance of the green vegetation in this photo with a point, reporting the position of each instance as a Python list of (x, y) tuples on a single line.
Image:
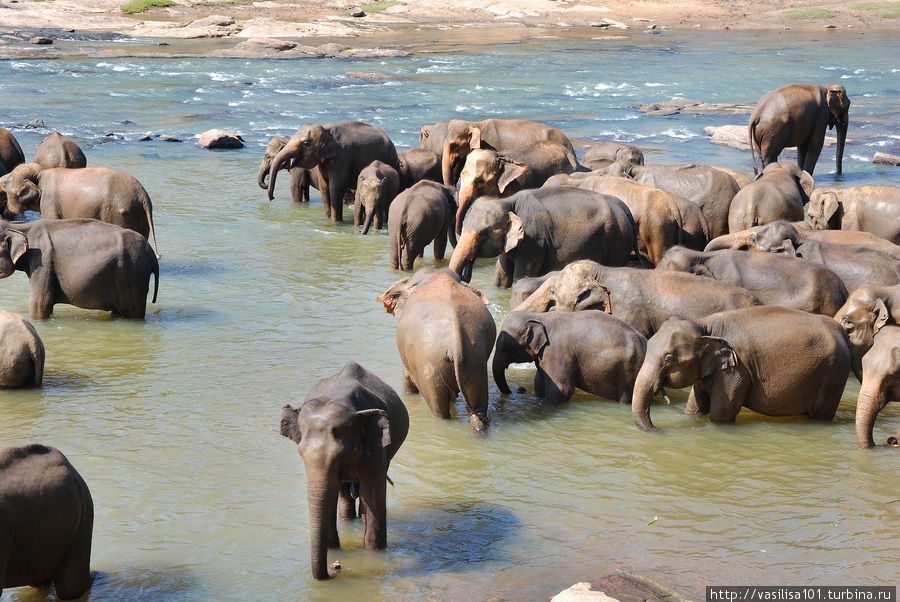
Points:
[(139, 6), (809, 13), (377, 7), (887, 10)]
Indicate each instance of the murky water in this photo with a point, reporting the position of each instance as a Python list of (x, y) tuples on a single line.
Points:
[(173, 422)]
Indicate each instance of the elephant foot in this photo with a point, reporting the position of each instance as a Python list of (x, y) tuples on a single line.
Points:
[(478, 423), (893, 442)]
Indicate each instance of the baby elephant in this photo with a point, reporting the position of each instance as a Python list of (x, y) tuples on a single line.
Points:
[(376, 187), (347, 430), (445, 335), (419, 215), (46, 521), (21, 352), (590, 350)]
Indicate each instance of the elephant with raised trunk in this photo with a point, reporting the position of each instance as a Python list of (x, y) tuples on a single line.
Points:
[(46, 521), (21, 353), (778, 193), (798, 115), (340, 151), (377, 185), (347, 430), (445, 334), (301, 179), (880, 383), (537, 231), (772, 360), (58, 151), (588, 350), (873, 209)]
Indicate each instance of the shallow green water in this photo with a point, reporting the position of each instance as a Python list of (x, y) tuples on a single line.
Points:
[(173, 422)]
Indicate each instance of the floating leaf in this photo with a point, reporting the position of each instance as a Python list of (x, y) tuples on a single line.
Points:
[(655, 518)]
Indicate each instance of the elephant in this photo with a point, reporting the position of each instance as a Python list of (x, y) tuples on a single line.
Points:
[(694, 228), (46, 521), (538, 231), (419, 215), (643, 299), (347, 431), (445, 334), (501, 174), (11, 153), (340, 151), (525, 287), (21, 353), (418, 164), (867, 310), (656, 213), (301, 179), (873, 209), (797, 115), (778, 193), (493, 134), (711, 188), (773, 279), (603, 153), (432, 137), (83, 262), (880, 383), (109, 195), (590, 350), (58, 151), (376, 187), (772, 360), (739, 178)]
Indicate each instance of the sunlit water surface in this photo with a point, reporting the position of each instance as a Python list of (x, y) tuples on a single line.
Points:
[(173, 421)]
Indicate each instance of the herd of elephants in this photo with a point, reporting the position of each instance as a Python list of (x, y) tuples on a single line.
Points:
[(627, 278)]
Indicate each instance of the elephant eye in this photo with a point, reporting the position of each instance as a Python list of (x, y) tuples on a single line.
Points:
[(583, 296), (669, 359)]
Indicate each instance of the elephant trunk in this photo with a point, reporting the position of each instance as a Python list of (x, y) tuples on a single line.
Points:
[(735, 240), (841, 139), (466, 196), (501, 362), (447, 166), (464, 255), (540, 300), (322, 495), (370, 214), (292, 147), (644, 388), (262, 175), (871, 400)]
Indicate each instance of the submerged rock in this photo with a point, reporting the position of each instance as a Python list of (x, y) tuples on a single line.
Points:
[(886, 159), (216, 138), (270, 48), (41, 40), (621, 588), (686, 106)]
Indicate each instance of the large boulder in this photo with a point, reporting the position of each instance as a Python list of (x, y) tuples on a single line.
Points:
[(216, 138), (688, 106), (886, 159), (615, 588), (737, 136)]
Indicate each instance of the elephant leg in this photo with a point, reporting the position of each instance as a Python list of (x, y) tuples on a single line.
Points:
[(557, 390), (727, 393), (358, 216), (503, 273), (408, 385), (40, 300), (297, 184), (438, 396), (346, 503), (440, 244), (4, 557), (325, 191), (337, 188), (698, 401), (474, 387), (373, 491), (73, 576), (813, 150), (539, 385)]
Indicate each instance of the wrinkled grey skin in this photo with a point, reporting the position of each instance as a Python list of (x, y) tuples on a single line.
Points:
[(642, 298), (418, 216), (779, 193), (417, 164), (46, 521), (772, 360), (588, 350), (301, 179), (880, 384), (347, 430), (874, 209), (525, 287), (773, 279), (711, 188), (340, 151), (538, 231), (58, 151), (445, 334), (82, 262), (797, 115), (21, 353), (602, 154), (376, 187), (867, 310), (101, 193), (10, 152)]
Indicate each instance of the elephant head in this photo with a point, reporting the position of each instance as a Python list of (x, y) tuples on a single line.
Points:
[(21, 188), (678, 355), (462, 138), (775, 237), (522, 339), (273, 147), (863, 315), (310, 145), (487, 231), (625, 169), (880, 384), (579, 287), (680, 259), (825, 210), (332, 438), (13, 245), (395, 297), (804, 181), (486, 173), (838, 106)]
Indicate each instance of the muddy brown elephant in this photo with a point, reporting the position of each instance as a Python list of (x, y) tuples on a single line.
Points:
[(601, 154), (11, 153), (376, 187), (798, 115), (301, 179), (100, 193), (738, 359), (418, 216), (83, 262), (880, 383), (46, 521), (873, 209), (588, 350), (779, 193), (340, 151), (21, 353), (58, 151), (445, 334), (348, 429)]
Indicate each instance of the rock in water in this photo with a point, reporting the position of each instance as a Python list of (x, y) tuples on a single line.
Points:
[(216, 138)]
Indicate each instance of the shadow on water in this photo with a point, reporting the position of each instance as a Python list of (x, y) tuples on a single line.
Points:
[(191, 268), (169, 583)]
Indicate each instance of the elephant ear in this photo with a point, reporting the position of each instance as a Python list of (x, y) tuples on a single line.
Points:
[(329, 147), (18, 244), (536, 337), (290, 428), (715, 354), (394, 298), (511, 170), (514, 234), (829, 206), (377, 427), (838, 105), (474, 137), (881, 315), (806, 182)]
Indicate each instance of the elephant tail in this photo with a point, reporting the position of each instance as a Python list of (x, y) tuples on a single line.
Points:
[(751, 132), (149, 211), (155, 280), (396, 236)]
